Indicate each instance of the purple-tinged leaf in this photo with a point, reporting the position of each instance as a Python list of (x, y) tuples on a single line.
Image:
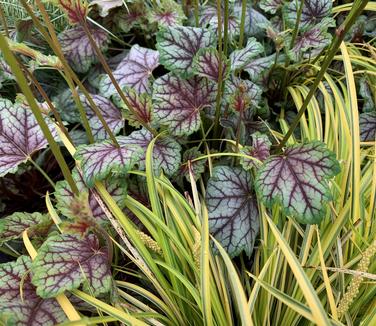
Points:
[(20, 136), (66, 106), (178, 46), (365, 91), (141, 104), (169, 13), (240, 58), (77, 48), (257, 68), (25, 308), (133, 17), (248, 91), (105, 6), (309, 43), (271, 6), (233, 211), (196, 167), (254, 22), (133, 71), (65, 261), (166, 152), (76, 10), (260, 150), (5, 71), (297, 180), (12, 226), (100, 159), (177, 102), (206, 64), (367, 125), (313, 12), (64, 196)]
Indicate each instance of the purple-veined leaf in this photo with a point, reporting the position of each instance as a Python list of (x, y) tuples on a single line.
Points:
[(367, 125), (5, 71), (169, 13), (309, 43), (166, 152), (178, 46), (100, 159), (25, 308), (133, 71), (177, 102), (313, 12), (271, 5), (133, 17), (66, 106), (260, 150), (240, 58), (236, 87), (255, 22), (233, 211), (141, 104), (20, 136), (106, 5), (297, 180), (65, 261), (365, 91), (197, 167), (257, 68), (64, 195), (206, 64), (12, 226), (77, 48), (111, 114)]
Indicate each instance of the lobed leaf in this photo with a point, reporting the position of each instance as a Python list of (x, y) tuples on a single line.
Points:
[(240, 58), (271, 6), (207, 64), (197, 167), (367, 125), (260, 150), (297, 180), (239, 89), (258, 67), (105, 6), (233, 211)]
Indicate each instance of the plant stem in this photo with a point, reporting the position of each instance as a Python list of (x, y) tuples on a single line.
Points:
[(4, 21), (196, 12), (339, 36), (22, 82), (42, 172), (242, 24), (225, 29)]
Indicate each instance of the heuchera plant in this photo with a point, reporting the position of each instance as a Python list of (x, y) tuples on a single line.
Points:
[(187, 90)]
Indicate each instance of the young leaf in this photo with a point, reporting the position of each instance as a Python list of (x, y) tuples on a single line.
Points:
[(177, 102), (25, 308), (206, 64), (76, 10), (166, 152), (233, 211), (197, 167), (236, 87), (133, 71), (168, 13), (240, 58), (65, 261), (260, 149), (20, 136), (100, 159), (367, 125), (106, 5), (12, 226), (77, 48), (178, 46), (5, 71), (271, 6), (257, 68), (297, 180)]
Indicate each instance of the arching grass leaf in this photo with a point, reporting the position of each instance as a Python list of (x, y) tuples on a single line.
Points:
[(178, 46), (12, 226), (25, 308), (133, 71), (367, 125), (240, 58), (166, 152), (206, 64), (271, 6), (65, 261), (197, 167), (260, 149), (297, 180), (20, 136), (177, 102), (100, 159), (77, 48), (233, 211)]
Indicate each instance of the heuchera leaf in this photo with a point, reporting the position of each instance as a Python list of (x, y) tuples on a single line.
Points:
[(25, 308), (133, 17), (5, 71), (77, 48), (178, 46), (106, 5), (236, 88), (100, 159), (257, 68), (297, 180), (12, 226), (260, 149), (367, 125), (197, 167), (366, 93), (20, 136), (207, 64), (313, 12), (64, 195), (166, 152), (271, 5), (168, 13), (65, 261), (240, 58), (66, 106), (133, 71), (177, 102), (76, 10), (233, 211)]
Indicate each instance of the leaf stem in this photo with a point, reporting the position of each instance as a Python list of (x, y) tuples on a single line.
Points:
[(225, 29), (341, 31), (196, 12), (42, 172), (242, 24)]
